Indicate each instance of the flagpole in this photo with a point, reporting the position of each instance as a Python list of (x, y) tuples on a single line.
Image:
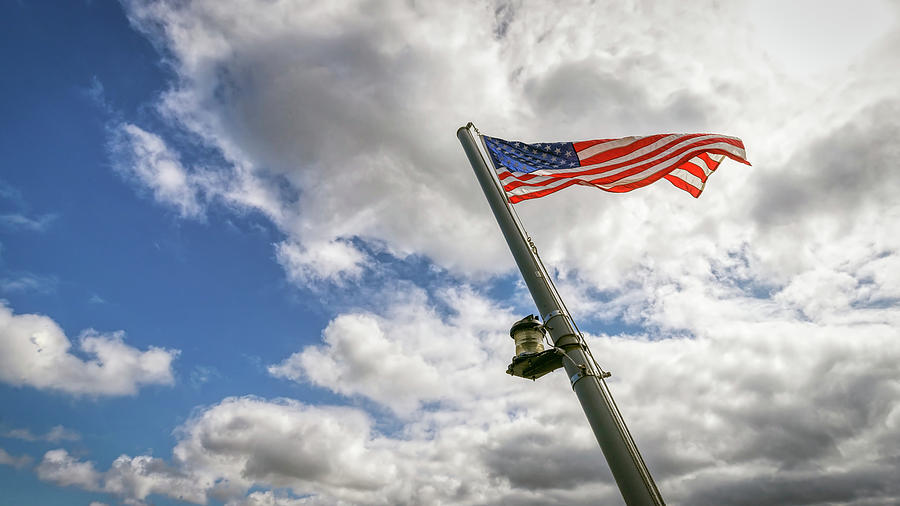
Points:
[(628, 468)]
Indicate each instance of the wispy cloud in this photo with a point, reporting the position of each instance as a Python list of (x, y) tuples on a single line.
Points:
[(11, 193), (20, 218), (19, 462), (201, 375), (96, 299), (145, 158), (54, 435), (18, 221), (28, 282)]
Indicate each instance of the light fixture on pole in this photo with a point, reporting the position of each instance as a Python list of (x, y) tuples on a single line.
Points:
[(532, 361)]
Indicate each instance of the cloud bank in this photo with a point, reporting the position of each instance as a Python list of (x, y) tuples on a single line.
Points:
[(756, 406)]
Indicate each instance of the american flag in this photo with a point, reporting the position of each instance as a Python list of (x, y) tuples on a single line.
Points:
[(529, 171)]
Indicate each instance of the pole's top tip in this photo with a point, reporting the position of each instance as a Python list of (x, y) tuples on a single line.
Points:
[(468, 126)]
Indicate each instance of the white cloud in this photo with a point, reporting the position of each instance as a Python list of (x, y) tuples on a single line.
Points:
[(60, 468), (36, 353), (283, 443), (138, 477), (337, 260), (409, 355), (131, 478)]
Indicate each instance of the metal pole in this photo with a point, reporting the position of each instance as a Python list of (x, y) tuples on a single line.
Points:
[(627, 466)]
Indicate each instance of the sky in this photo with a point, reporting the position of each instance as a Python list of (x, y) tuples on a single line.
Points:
[(244, 260)]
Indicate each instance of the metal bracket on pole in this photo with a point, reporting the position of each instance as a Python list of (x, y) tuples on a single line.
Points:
[(584, 373), (566, 340), (553, 314), (578, 376)]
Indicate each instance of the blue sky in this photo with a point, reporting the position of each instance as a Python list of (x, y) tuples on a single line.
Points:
[(244, 261), (93, 254)]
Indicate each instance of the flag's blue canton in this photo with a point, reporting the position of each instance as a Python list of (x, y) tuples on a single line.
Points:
[(521, 157)]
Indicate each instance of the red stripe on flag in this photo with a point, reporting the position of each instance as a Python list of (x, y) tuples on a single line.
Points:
[(713, 164), (694, 169), (684, 185)]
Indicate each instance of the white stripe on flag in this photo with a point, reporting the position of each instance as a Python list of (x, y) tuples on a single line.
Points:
[(596, 149), (688, 178)]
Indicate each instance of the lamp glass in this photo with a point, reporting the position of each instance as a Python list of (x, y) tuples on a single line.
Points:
[(528, 341)]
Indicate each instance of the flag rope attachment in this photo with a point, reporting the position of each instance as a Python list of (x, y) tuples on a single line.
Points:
[(593, 366)]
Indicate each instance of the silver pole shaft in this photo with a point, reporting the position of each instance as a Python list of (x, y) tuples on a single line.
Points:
[(627, 466)]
